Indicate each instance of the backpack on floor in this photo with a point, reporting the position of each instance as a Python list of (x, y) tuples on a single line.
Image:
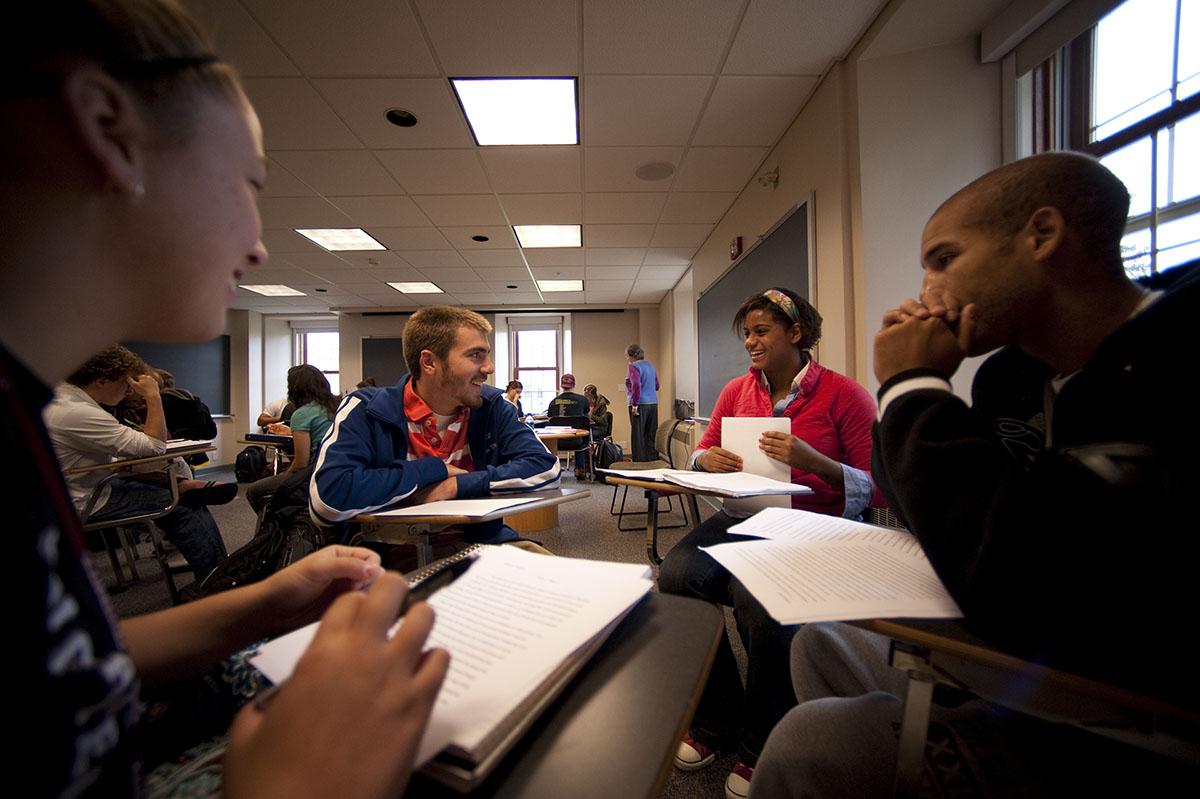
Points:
[(285, 534), (610, 452), (250, 465)]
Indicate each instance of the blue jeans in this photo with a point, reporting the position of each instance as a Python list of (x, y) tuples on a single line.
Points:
[(727, 713), (192, 530)]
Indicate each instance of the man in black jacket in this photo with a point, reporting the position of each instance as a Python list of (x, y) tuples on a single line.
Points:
[(1053, 507)]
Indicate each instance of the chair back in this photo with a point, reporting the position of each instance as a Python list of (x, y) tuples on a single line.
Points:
[(662, 440), (579, 423), (608, 419)]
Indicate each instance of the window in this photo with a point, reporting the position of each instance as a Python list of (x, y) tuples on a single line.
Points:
[(536, 358), (320, 348), (1128, 92)]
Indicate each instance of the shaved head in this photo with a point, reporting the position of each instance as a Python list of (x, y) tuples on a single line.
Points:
[(1093, 202)]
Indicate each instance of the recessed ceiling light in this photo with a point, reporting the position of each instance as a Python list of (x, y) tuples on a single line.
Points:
[(401, 117), (655, 170), (533, 236), (416, 288), (274, 291), (335, 239), (519, 110), (560, 285), (479, 238)]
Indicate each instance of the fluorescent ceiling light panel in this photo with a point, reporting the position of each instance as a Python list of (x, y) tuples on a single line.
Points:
[(534, 236), (274, 291), (519, 110), (416, 288), (334, 239), (560, 285)]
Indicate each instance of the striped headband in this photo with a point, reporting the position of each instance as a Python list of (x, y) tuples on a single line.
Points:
[(784, 302)]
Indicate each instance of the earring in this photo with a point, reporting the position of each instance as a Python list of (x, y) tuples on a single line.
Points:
[(138, 190)]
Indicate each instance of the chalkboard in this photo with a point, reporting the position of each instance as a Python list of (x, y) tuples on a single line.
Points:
[(781, 258), (383, 359), (202, 369)]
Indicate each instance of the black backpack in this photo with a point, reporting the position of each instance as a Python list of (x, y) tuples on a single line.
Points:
[(250, 465), (610, 453), (285, 534)]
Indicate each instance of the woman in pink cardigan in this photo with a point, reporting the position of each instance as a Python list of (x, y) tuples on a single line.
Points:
[(829, 450)]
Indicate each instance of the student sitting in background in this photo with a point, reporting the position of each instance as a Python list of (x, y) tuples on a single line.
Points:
[(308, 391), (512, 395), (441, 433), (276, 412), (84, 434), (568, 403), (597, 410)]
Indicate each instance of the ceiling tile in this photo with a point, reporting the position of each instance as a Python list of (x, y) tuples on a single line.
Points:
[(372, 259), (300, 212), (641, 110), (314, 262), (647, 295), (282, 183), (240, 40), (494, 273), (626, 207), (478, 299), (381, 211), (366, 37), (680, 235), (645, 284), (295, 117), (339, 172), (608, 286), (502, 286), (278, 273), (461, 209), (363, 102), (396, 274), (680, 37), (555, 256), (493, 258), (613, 256), (532, 170), (558, 272), (564, 297), (514, 38), (718, 168), (519, 298), (462, 275), (432, 259), (697, 206), (280, 241), (346, 277), (747, 111), (670, 255), (410, 238), (543, 209), (613, 168), (617, 235), (797, 37), (499, 238), (436, 171), (658, 272), (593, 273)]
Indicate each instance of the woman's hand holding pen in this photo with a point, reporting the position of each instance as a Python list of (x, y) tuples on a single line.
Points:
[(352, 690)]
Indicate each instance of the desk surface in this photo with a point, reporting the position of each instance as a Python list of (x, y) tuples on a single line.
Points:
[(621, 718), (127, 463), (559, 435), (661, 486), (545, 499)]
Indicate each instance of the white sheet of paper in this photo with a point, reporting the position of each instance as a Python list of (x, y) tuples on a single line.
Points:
[(821, 568), (640, 474), (735, 483), (785, 524), (186, 443), (507, 623), (458, 507), (740, 435)]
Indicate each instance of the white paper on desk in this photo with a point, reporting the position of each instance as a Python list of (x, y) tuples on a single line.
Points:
[(831, 569), (656, 475), (735, 484), (507, 623), (740, 435), (458, 507), (785, 524), (186, 443)]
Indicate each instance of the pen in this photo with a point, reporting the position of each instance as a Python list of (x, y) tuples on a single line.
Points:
[(425, 589)]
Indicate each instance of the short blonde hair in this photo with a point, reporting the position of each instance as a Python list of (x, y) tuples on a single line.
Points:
[(436, 329)]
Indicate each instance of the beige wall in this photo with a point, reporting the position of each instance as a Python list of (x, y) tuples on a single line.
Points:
[(598, 356), (352, 329)]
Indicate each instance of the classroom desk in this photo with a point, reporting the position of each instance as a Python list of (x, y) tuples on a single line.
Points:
[(551, 439), (655, 489), (421, 530), (615, 728), (115, 469), (939, 650), (276, 446)]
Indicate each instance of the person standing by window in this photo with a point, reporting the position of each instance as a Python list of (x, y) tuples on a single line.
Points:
[(641, 387)]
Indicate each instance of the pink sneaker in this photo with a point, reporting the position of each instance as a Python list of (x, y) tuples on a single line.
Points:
[(693, 755), (737, 784)]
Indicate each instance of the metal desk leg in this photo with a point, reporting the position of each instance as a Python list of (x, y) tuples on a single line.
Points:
[(123, 535), (111, 548), (652, 527), (695, 508), (910, 755)]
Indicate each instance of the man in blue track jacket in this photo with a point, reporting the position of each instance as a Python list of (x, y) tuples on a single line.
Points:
[(441, 433)]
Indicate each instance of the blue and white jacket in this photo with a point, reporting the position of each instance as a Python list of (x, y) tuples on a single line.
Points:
[(363, 465)]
